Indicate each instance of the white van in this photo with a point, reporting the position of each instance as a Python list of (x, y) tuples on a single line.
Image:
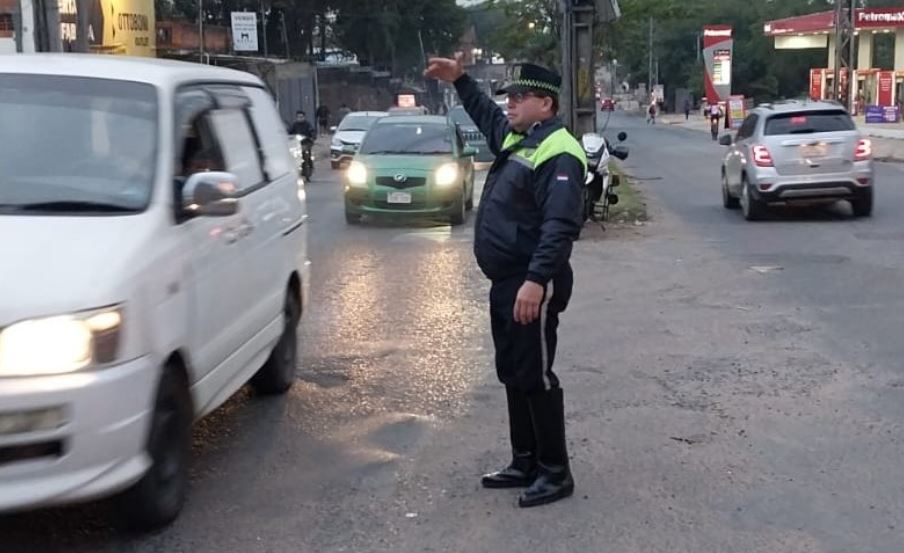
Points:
[(153, 247)]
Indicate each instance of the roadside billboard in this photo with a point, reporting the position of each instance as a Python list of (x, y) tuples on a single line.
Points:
[(126, 27), (718, 48)]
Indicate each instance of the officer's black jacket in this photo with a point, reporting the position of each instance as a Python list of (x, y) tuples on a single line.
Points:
[(530, 209)]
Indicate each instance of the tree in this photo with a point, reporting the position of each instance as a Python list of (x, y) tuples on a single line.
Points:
[(525, 30), (759, 71), (387, 34)]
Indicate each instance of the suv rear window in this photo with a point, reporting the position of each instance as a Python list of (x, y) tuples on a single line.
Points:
[(808, 122)]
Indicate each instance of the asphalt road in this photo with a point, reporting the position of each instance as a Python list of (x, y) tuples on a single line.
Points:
[(730, 387)]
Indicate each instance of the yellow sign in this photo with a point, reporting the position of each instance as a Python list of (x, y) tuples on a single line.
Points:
[(125, 27)]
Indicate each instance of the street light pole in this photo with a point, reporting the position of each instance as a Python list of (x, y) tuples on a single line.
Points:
[(201, 31)]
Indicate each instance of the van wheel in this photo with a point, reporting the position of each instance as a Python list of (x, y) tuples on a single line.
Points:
[(863, 206), (278, 373), (159, 496)]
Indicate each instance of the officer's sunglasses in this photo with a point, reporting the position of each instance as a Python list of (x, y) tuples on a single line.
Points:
[(518, 97)]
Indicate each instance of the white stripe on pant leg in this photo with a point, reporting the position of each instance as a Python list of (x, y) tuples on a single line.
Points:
[(544, 347)]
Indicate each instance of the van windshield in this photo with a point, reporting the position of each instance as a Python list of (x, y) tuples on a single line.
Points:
[(76, 145)]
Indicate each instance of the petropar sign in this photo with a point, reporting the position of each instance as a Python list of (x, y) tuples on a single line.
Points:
[(718, 51)]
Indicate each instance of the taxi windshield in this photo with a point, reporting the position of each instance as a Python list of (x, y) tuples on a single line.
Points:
[(75, 144)]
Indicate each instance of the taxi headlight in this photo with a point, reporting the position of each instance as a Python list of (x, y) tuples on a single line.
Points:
[(356, 174), (446, 175), (62, 344)]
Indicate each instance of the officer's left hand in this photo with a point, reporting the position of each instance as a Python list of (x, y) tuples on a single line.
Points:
[(527, 302)]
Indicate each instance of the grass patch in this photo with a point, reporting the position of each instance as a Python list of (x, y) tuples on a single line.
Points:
[(631, 205)]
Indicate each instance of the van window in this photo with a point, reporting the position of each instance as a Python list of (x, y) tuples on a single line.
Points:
[(230, 126), (271, 133), (808, 122)]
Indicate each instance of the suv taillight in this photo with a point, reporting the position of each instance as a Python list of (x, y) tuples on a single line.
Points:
[(864, 150), (762, 157)]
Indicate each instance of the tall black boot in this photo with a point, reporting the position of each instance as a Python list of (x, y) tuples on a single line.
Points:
[(554, 479), (523, 469)]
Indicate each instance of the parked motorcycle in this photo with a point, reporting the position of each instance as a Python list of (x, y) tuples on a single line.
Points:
[(600, 183)]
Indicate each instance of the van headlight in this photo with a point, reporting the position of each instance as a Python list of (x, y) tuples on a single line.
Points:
[(356, 174), (446, 174), (61, 344)]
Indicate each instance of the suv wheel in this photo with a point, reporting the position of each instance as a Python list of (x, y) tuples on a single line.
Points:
[(156, 499), (752, 208), (863, 206), (728, 201)]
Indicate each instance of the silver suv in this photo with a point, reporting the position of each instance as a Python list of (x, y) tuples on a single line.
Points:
[(797, 152)]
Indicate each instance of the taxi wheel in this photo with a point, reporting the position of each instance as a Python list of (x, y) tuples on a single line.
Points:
[(459, 212), (158, 498), (469, 205)]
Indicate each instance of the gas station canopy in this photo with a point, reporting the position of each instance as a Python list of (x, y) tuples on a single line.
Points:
[(880, 86)]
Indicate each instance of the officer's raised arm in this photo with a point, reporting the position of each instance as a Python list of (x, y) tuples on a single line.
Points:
[(488, 116)]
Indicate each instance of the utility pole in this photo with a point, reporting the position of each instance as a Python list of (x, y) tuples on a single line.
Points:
[(566, 97), (650, 62), (81, 26), (264, 30), (285, 33), (200, 31), (577, 100), (844, 52)]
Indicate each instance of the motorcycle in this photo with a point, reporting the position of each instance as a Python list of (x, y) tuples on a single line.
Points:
[(600, 183), (302, 149)]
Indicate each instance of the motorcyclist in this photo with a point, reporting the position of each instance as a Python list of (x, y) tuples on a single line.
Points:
[(302, 126), (715, 113)]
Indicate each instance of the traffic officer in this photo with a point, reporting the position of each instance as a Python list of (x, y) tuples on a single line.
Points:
[(529, 215)]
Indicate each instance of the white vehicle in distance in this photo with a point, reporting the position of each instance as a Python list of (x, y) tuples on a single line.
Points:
[(156, 223), (348, 135)]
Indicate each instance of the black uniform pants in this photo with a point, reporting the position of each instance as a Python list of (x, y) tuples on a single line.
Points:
[(525, 353)]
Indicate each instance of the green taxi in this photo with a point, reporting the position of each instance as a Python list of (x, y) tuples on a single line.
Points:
[(411, 165)]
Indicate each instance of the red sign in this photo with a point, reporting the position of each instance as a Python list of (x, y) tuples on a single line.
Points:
[(816, 84), (879, 17), (886, 88), (714, 34)]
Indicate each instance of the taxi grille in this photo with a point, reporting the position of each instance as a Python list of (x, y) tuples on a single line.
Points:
[(410, 182)]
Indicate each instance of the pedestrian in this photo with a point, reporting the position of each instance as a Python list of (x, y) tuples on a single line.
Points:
[(687, 109), (343, 111), (651, 113), (323, 118), (529, 215)]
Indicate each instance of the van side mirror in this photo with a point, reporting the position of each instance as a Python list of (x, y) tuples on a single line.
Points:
[(210, 194), (725, 140)]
